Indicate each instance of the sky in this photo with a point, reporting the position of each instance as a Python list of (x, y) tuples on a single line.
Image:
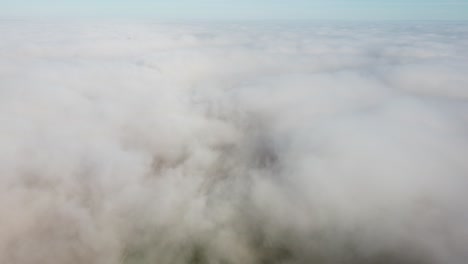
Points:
[(241, 9)]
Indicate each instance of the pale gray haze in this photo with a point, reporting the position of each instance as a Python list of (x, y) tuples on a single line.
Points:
[(233, 143)]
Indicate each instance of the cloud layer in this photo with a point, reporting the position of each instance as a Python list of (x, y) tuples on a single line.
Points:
[(233, 143)]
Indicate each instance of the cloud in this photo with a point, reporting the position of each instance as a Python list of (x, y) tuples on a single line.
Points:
[(233, 143)]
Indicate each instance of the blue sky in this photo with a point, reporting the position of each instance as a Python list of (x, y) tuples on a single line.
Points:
[(242, 9)]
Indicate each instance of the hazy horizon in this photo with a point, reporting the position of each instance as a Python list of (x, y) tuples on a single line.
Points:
[(241, 10)]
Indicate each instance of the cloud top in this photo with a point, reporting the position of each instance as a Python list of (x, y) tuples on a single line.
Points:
[(233, 143)]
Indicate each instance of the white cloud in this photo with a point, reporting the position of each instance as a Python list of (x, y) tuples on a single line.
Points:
[(234, 143)]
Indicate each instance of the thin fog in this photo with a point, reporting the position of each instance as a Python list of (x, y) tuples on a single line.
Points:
[(233, 143)]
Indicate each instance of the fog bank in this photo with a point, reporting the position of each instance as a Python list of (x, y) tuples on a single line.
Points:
[(139, 143)]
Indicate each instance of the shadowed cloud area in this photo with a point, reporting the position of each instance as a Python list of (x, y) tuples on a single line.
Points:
[(144, 143)]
